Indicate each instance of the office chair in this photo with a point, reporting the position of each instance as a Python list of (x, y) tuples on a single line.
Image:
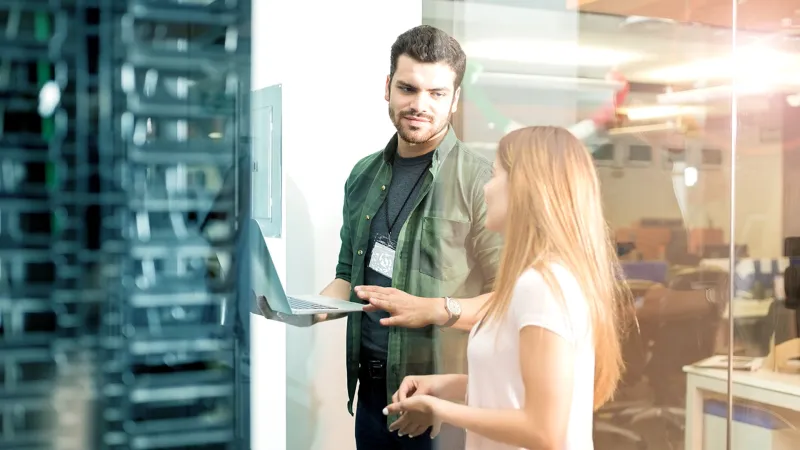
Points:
[(614, 418), (682, 332)]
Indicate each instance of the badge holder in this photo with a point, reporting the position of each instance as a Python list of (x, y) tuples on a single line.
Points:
[(382, 259)]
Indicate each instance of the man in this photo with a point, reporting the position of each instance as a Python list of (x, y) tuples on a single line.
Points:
[(413, 223)]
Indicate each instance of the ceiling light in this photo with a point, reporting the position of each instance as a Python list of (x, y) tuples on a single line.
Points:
[(215, 135), (660, 111), (712, 94), (638, 129), (635, 20), (754, 62), (690, 176), (548, 53), (548, 82)]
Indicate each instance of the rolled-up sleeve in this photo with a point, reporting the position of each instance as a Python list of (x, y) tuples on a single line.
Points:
[(486, 245), (345, 265)]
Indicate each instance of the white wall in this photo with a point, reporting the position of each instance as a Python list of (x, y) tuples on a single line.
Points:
[(332, 58)]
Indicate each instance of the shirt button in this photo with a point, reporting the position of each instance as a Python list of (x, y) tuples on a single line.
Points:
[(383, 188), (367, 216), (360, 252)]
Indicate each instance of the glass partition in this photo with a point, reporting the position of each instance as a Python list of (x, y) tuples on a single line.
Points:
[(764, 75), (647, 86)]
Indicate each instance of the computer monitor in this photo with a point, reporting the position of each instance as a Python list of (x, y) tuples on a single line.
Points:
[(791, 278)]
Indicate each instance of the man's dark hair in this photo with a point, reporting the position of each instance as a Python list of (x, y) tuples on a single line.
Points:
[(427, 44)]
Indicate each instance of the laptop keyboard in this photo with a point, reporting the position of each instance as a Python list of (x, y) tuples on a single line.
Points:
[(302, 304)]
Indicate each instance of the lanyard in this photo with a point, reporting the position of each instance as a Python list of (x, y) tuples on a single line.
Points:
[(400, 211)]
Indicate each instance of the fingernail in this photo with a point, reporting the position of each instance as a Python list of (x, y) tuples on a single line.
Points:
[(400, 434), (385, 411), (357, 288)]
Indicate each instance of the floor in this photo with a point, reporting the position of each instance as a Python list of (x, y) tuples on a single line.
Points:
[(658, 433), (657, 436)]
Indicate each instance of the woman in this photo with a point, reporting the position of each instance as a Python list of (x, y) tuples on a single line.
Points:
[(546, 353)]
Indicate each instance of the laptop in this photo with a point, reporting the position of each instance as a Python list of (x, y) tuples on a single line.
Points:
[(265, 282)]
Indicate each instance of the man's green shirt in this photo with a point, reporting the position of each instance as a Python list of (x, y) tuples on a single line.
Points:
[(442, 250)]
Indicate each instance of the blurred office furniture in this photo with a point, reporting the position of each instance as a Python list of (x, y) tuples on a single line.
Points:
[(651, 242), (670, 240), (763, 401), (753, 306), (702, 238), (114, 114), (749, 309), (613, 419), (655, 271), (755, 277), (723, 250), (679, 324), (779, 324)]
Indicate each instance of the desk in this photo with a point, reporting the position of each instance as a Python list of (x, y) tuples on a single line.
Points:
[(763, 387), (748, 308)]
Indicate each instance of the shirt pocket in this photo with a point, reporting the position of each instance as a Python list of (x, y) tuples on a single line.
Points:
[(443, 248)]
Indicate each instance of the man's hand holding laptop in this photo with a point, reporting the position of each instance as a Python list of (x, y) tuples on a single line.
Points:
[(337, 289), (269, 313)]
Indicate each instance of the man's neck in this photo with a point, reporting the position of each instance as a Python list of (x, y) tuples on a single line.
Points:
[(408, 150)]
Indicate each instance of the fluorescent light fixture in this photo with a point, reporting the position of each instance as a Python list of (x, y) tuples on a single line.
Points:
[(711, 94), (635, 20), (750, 63), (215, 135), (668, 126), (661, 111), (552, 53), (547, 82)]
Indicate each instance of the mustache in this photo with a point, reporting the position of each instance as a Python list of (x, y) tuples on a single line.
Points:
[(415, 114)]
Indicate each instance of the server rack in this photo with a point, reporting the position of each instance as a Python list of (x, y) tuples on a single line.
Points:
[(119, 121)]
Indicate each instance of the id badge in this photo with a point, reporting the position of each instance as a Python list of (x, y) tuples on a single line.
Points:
[(382, 260)]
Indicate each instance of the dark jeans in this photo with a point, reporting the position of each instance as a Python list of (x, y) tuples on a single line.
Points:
[(372, 430)]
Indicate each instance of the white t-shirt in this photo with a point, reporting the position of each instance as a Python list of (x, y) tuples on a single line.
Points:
[(495, 379)]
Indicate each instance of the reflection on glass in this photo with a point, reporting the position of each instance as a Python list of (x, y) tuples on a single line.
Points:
[(642, 154), (603, 153), (665, 160)]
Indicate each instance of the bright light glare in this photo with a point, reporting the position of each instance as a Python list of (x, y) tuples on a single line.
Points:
[(661, 111), (548, 52), (690, 176), (752, 65)]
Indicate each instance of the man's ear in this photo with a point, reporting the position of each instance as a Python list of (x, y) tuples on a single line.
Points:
[(386, 92), (456, 96)]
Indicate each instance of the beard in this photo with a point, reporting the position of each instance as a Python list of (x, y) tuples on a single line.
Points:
[(416, 134)]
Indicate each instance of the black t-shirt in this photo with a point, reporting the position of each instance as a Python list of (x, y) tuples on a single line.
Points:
[(407, 180)]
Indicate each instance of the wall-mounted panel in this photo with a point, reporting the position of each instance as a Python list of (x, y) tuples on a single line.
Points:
[(266, 181)]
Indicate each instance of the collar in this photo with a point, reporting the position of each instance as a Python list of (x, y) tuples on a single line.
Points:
[(439, 154)]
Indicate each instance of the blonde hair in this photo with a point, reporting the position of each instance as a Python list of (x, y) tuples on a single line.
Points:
[(555, 214)]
